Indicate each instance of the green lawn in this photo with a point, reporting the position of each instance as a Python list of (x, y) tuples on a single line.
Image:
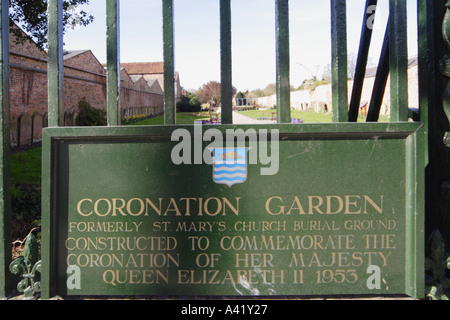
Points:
[(26, 192), (26, 167), (306, 116), (182, 118)]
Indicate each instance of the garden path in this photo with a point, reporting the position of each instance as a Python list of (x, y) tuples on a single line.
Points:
[(241, 119)]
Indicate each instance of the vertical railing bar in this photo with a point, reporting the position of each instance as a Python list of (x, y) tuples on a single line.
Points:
[(283, 61), (398, 59), (379, 86), (169, 65), (55, 64), (226, 62), (339, 60), (55, 119), (427, 73), (5, 157), (113, 61), (361, 63)]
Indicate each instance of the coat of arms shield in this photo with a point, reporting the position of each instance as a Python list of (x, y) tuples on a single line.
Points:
[(230, 165)]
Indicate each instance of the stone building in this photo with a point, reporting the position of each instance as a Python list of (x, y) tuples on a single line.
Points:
[(320, 99), (84, 79)]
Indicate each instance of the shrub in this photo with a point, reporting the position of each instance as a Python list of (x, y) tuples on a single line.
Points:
[(135, 118), (189, 103), (89, 116), (26, 209)]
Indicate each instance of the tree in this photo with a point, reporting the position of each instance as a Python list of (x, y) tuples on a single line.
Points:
[(189, 102), (270, 89), (242, 99), (211, 93), (327, 74), (90, 116), (351, 65), (31, 16), (240, 95), (257, 93)]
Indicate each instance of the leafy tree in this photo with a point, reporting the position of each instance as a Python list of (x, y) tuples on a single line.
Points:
[(240, 95), (195, 103), (31, 16), (189, 102), (257, 93)]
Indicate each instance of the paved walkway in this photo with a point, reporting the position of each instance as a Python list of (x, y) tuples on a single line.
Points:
[(241, 119)]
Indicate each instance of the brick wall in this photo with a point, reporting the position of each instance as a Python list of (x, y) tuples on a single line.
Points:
[(84, 79)]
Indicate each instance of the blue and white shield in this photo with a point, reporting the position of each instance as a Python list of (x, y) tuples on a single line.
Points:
[(230, 165)]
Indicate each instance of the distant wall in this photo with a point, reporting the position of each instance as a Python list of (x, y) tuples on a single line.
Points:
[(28, 93), (320, 99)]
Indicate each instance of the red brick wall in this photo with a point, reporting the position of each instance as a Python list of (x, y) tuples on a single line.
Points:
[(85, 78)]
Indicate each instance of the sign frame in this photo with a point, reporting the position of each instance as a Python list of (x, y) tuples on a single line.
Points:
[(411, 133)]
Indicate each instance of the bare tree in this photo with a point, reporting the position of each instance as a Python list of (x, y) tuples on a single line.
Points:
[(211, 93)]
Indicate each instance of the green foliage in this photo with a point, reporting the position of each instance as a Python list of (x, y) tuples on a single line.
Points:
[(26, 167), (26, 209), (89, 116), (182, 118), (312, 84), (31, 16), (240, 95), (26, 191), (136, 118), (437, 263), (189, 103), (195, 103)]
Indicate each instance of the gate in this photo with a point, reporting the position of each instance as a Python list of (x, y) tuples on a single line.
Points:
[(283, 209)]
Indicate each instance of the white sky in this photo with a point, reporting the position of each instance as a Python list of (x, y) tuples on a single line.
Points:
[(197, 47)]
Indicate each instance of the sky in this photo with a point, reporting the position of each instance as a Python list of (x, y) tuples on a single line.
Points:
[(197, 46)]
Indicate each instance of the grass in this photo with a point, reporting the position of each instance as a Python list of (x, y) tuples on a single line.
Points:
[(306, 116), (182, 118), (26, 167), (26, 192)]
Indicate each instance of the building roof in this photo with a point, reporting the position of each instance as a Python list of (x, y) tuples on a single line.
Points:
[(25, 44), (68, 54), (372, 72), (136, 68)]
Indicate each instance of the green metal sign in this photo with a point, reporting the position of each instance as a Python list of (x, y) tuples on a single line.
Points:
[(278, 210)]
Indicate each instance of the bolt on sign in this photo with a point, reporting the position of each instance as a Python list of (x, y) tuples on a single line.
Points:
[(274, 210)]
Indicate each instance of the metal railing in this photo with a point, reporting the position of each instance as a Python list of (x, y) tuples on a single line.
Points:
[(393, 61)]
